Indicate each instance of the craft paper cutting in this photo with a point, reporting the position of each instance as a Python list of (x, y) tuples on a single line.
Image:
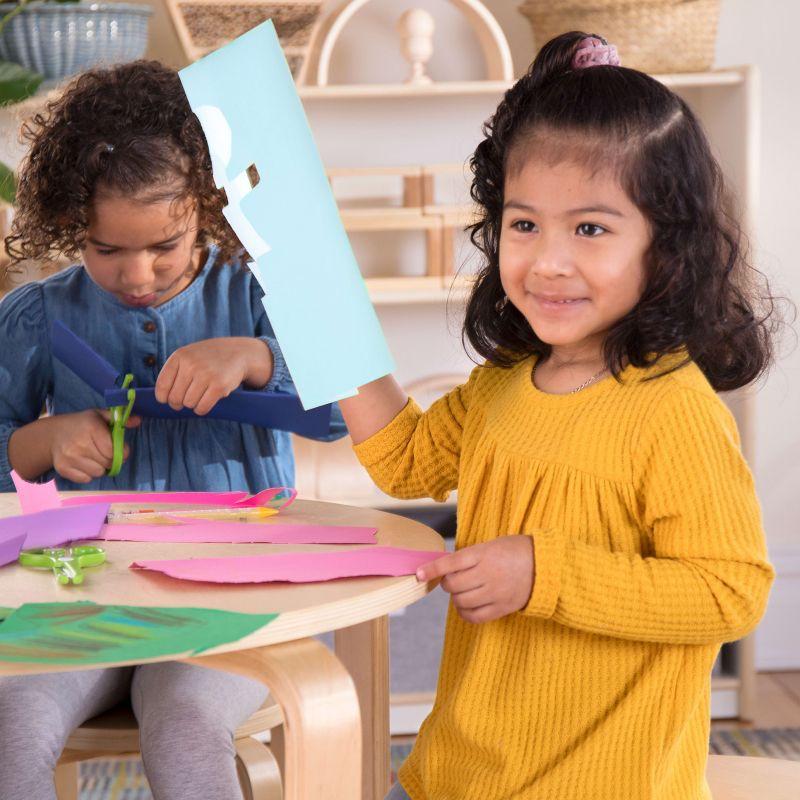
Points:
[(315, 297), (277, 410)]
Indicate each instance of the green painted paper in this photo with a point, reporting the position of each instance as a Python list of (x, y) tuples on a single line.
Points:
[(88, 633)]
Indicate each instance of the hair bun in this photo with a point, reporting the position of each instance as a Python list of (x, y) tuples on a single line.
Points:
[(571, 51), (594, 51)]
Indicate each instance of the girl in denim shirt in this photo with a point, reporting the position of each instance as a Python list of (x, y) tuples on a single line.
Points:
[(118, 173)]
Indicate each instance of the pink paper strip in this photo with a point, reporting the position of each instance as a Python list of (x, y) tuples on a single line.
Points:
[(264, 498), (238, 533), (307, 567), (173, 498), (35, 497), (56, 526), (207, 499)]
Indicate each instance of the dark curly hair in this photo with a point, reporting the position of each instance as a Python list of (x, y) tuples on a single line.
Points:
[(125, 129), (700, 293)]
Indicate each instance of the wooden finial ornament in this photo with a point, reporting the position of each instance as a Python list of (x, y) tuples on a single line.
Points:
[(416, 28)]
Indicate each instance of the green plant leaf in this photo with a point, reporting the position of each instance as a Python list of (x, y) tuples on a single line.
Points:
[(8, 184), (17, 83)]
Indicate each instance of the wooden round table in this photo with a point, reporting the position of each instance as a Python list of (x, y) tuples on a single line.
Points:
[(331, 750)]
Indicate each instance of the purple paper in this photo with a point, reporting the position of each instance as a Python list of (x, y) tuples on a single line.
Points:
[(54, 527), (278, 410), (9, 548), (305, 567)]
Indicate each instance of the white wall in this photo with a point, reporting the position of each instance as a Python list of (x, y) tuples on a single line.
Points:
[(761, 33)]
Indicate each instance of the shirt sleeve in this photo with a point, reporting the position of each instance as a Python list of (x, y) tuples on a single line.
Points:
[(281, 380), (26, 370), (703, 577), (418, 454)]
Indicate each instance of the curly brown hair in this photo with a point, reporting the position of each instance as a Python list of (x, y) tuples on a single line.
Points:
[(127, 129), (700, 292)]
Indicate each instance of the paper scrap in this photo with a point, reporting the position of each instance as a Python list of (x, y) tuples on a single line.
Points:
[(87, 633), (305, 567), (52, 528), (35, 497), (170, 498), (315, 297), (276, 497), (238, 533), (10, 547)]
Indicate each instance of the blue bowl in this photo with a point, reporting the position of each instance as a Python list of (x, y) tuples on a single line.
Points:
[(61, 39)]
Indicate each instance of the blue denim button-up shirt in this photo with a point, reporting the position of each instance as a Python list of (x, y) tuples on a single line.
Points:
[(184, 454)]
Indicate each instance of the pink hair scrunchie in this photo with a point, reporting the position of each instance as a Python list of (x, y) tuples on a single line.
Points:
[(593, 52)]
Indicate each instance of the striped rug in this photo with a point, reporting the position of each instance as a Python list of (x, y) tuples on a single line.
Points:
[(123, 779), (768, 742)]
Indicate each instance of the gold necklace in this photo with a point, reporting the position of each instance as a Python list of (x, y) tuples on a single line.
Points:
[(586, 383)]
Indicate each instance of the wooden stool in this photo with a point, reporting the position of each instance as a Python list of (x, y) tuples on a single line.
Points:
[(116, 734), (745, 778)]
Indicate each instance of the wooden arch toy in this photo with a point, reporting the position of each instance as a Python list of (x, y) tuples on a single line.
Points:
[(490, 35)]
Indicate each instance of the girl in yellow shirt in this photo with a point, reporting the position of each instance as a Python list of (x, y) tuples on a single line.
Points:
[(609, 535)]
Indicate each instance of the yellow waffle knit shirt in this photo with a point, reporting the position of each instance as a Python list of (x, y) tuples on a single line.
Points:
[(649, 553)]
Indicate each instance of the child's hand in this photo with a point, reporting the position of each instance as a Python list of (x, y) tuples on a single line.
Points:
[(81, 444), (199, 375), (488, 580)]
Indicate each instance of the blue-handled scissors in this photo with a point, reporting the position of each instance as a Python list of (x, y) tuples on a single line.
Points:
[(67, 563)]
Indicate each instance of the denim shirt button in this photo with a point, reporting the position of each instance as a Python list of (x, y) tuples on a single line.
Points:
[(149, 361)]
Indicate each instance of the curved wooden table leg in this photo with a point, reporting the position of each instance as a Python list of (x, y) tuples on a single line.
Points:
[(322, 720), (364, 650)]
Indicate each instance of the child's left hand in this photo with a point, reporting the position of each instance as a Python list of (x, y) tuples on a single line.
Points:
[(488, 580), (199, 375)]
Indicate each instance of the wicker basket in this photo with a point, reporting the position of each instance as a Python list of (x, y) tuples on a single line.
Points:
[(656, 36), (205, 25), (60, 39)]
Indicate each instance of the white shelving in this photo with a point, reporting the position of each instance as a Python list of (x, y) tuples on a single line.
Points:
[(389, 91)]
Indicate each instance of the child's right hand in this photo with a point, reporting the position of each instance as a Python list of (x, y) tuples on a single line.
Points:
[(81, 444)]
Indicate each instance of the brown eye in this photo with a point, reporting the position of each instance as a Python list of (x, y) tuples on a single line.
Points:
[(524, 226), (590, 229)]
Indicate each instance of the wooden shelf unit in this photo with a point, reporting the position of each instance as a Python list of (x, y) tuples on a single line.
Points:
[(378, 91), (393, 91)]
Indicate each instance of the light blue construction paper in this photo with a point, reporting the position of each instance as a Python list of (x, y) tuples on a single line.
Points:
[(315, 297)]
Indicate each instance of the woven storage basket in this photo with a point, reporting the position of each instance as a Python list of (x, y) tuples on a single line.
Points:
[(656, 36), (60, 39), (209, 24)]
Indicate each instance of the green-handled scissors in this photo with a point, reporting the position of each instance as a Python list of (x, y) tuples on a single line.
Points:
[(119, 416), (67, 563)]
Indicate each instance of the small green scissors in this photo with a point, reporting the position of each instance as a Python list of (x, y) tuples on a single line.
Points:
[(119, 416), (67, 563)]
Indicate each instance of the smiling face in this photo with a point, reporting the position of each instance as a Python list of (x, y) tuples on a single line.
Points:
[(572, 249), (141, 252)]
